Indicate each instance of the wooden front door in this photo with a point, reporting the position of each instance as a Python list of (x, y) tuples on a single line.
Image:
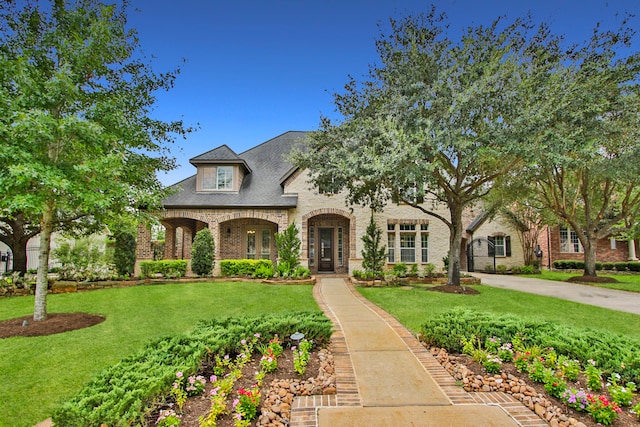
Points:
[(326, 250)]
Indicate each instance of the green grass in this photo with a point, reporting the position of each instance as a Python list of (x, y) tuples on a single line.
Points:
[(40, 372), (628, 282), (412, 307)]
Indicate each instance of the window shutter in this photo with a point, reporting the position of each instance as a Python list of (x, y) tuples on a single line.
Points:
[(491, 247), (507, 245)]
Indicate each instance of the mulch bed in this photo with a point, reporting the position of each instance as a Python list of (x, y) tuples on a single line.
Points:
[(55, 323), (592, 279)]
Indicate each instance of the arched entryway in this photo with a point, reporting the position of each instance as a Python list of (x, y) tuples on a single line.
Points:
[(179, 235), (328, 240), (248, 238)]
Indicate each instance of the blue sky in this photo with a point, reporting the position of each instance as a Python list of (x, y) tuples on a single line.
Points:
[(256, 69)]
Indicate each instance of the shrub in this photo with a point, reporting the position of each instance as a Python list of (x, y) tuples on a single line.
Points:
[(170, 269), (288, 246), (124, 393), (611, 351), (374, 252), (242, 267), (357, 274), (621, 266), (202, 253), (608, 266), (263, 271), (84, 259), (501, 269), (633, 266), (429, 269), (124, 254), (400, 269)]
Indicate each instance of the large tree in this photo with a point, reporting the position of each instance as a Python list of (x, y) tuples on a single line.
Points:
[(429, 126), (78, 137), (585, 126)]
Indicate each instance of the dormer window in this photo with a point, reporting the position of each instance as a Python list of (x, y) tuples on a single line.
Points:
[(216, 178)]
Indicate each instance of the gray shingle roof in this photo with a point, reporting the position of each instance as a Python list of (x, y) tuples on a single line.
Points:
[(261, 187)]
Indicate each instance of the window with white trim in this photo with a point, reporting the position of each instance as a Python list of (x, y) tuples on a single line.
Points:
[(408, 247), (340, 247), (569, 242), (391, 243), (216, 178), (424, 243)]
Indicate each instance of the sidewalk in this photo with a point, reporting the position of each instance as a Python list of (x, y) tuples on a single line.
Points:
[(385, 377), (600, 297)]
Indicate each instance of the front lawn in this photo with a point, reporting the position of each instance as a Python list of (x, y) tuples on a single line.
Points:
[(40, 372), (412, 307), (628, 282)]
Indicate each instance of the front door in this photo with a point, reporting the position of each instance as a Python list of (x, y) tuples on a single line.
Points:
[(326, 249)]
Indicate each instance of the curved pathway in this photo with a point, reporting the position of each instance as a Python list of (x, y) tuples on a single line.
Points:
[(600, 297), (385, 376)]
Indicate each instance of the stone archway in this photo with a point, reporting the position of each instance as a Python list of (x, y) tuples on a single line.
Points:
[(328, 240)]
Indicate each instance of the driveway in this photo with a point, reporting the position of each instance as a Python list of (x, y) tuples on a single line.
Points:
[(592, 295)]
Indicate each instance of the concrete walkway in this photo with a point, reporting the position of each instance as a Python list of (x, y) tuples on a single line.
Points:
[(385, 377), (606, 298)]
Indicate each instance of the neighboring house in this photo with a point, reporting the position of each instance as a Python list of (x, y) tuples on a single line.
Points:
[(561, 243), (33, 248), (244, 199)]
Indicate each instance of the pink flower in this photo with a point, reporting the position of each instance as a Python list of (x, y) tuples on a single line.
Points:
[(179, 374), (213, 378), (235, 402), (243, 342), (257, 335)]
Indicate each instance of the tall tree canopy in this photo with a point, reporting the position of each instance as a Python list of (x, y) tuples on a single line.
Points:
[(429, 126), (584, 123), (76, 102)]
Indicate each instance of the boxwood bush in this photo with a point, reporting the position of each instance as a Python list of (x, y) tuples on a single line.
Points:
[(170, 269), (243, 267), (613, 353), (125, 393)]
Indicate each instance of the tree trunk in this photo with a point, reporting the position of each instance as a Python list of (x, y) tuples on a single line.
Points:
[(19, 256), (42, 281), (590, 257), (455, 243)]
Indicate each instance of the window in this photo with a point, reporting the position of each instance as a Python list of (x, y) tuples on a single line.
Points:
[(251, 244), (391, 245), (499, 246), (225, 178), (498, 242), (216, 178), (424, 247), (569, 242), (258, 243), (265, 250), (312, 246), (407, 247), (340, 244)]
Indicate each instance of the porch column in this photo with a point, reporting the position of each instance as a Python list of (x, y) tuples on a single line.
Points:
[(187, 241), (632, 250), (143, 243), (169, 241)]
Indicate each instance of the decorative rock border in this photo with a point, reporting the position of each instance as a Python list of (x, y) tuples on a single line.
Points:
[(505, 383), (277, 404)]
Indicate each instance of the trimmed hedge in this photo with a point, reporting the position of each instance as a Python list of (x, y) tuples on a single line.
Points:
[(243, 267), (613, 353), (125, 393), (571, 264), (169, 268)]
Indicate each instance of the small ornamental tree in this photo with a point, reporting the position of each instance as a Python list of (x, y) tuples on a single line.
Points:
[(288, 246), (373, 253), (124, 255), (202, 253)]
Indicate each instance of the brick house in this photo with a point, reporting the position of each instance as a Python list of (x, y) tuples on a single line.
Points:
[(561, 243), (244, 199)]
